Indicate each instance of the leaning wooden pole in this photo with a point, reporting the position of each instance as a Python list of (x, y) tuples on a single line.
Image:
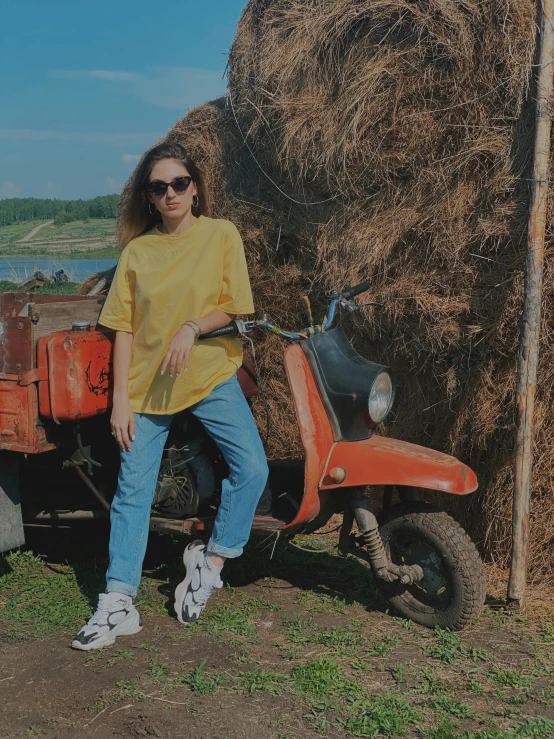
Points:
[(528, 354)]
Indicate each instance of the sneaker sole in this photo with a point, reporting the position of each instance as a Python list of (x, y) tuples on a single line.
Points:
[(131, 625), (189, 556)]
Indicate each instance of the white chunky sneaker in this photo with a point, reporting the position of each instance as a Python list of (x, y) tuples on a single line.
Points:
[(192, 594), (115, 616)]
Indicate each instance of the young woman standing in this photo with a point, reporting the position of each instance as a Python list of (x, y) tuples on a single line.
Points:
[(180, 274)]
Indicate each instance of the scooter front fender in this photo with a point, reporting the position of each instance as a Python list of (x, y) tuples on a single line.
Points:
[(383, 461)]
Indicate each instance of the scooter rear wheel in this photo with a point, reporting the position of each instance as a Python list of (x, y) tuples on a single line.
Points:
[(453, 588)]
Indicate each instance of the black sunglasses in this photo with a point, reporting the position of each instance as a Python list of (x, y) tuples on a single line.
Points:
[(159, 187)]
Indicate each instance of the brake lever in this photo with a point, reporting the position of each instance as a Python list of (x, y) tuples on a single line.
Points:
[(371, 302), (351, 306), (245, 327)]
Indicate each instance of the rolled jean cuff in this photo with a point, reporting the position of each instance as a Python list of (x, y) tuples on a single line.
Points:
[(114, 586), (223, 551)]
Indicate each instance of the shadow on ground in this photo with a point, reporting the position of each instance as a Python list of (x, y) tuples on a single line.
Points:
[(84, 547)]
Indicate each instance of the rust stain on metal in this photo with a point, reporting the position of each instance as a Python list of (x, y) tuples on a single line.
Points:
[(79, 372)]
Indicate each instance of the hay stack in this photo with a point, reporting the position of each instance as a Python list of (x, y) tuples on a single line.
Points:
[(409, 124), (411, 117)]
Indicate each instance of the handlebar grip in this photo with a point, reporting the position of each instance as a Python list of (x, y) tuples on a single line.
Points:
[(231, 329), (356, 290)]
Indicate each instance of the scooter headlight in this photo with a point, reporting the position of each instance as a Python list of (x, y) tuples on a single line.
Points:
[(381, 397)]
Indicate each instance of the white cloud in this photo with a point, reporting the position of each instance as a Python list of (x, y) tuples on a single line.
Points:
[(166, 87), (29, 134), (10, 190), (130, 158), (112, 185), (51, 189), (113, 76)]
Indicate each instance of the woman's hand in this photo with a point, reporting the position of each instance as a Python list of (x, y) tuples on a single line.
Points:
[(123, 423), (179, 350)]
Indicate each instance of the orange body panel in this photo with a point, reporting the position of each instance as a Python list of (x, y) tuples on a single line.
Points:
[(315, 430), (374, 461), (382, 461), (78, 366)]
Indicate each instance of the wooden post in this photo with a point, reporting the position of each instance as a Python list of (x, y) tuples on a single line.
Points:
[(529, 339)]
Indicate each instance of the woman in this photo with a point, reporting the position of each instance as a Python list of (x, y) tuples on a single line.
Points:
[(180, 274)]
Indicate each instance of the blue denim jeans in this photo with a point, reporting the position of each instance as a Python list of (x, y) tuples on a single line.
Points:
[(227, 418)]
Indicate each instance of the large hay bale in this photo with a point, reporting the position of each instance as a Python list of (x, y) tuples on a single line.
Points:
[(390, 140), (410, 117)]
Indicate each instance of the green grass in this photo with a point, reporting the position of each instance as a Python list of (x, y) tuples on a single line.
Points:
[(235, 616), (36, 601), (10, 234), (110, 252), (66, 239), (380, 715), (93, 228), (507, 678), (50, 288), (449, 704), (340, 668), (261, 681), (448, 648), (318, 677)]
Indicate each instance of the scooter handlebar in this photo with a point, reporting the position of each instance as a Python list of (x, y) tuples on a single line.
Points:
[(356, 290), (231, 329)]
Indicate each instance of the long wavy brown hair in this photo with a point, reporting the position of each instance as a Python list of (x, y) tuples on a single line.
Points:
[(134, 216)]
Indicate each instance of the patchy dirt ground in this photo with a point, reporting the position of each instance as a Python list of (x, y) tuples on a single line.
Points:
[(300, 645)]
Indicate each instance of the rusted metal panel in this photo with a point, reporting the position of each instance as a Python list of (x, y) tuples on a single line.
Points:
[(383, 461), (79, 367), (13, 414), (24, 317), (50, 317), (16, 344), (315, 430), (16, 301), (20, 426)]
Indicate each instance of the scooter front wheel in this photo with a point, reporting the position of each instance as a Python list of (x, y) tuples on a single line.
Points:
[(453, 588)]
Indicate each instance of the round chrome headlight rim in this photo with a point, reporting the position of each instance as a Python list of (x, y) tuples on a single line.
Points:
[(381, 397)]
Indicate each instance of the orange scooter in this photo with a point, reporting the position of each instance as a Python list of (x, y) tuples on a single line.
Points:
[(54, 424), (424, 562)]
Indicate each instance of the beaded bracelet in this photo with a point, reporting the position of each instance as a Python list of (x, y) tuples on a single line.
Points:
[(195, 327)]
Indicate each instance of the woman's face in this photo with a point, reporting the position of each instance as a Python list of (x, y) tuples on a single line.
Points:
[(172, 205)]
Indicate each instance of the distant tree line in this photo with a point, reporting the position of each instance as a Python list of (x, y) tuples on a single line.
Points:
[(17, 210)]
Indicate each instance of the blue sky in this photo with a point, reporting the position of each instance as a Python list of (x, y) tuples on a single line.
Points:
[(87, 85)]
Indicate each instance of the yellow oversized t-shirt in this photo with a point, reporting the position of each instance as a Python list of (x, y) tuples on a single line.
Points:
[(162, 281)]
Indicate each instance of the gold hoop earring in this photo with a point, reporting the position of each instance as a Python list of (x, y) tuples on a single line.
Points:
[(195, 204), (150, 208)]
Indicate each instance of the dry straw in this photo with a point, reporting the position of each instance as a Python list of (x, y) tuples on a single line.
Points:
[(412, 121)]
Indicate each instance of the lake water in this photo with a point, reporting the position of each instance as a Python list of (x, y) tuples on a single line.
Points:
[(19, 268)]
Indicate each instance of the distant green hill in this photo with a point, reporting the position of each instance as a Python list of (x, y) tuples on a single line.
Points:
[(90, 237), (19, 210)]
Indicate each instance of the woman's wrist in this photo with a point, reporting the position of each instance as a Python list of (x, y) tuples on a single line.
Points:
[(120, 396), (194, 326)]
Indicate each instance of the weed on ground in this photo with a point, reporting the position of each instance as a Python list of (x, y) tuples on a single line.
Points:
[(298, 645)]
